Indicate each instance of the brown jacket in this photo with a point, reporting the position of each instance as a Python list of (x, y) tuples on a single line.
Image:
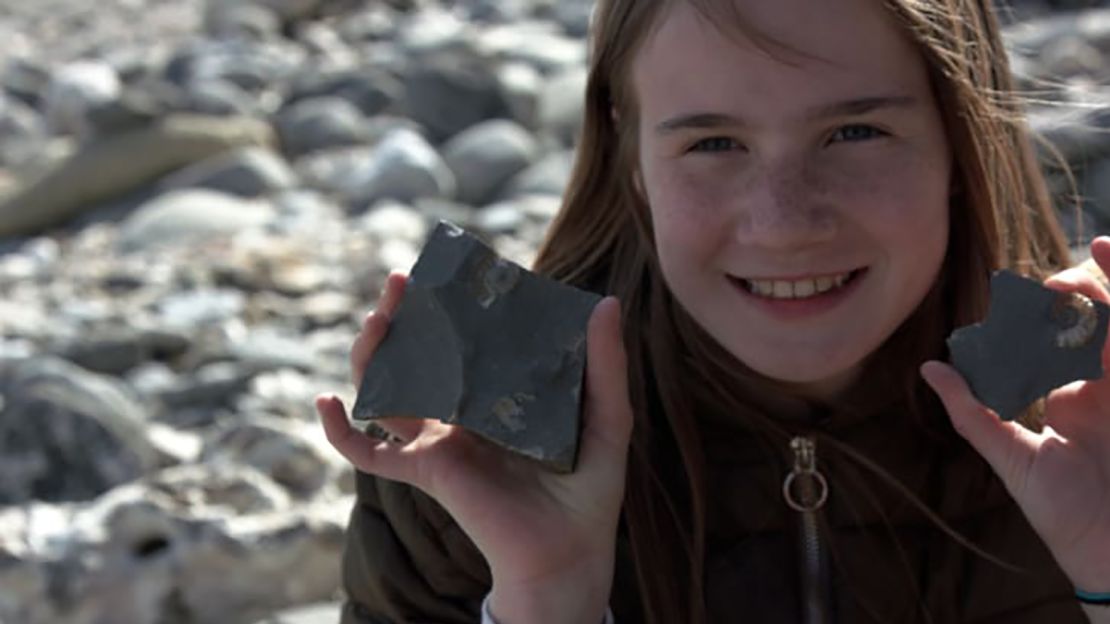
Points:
[(406, 560)]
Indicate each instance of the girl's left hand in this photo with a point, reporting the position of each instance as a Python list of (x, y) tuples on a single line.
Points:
[(1060, 477)]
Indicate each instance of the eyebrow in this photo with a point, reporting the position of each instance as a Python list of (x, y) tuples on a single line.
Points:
[(858, 106)]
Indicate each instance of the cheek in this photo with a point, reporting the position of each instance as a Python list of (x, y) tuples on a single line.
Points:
[(894, 195), (686, 215)]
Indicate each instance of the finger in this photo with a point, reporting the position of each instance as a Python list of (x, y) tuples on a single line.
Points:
[(377, 457), (391, 293), (375, 326), (1100, 253), (1078, 280), (608, 414), (1007, 447), (404, 429)]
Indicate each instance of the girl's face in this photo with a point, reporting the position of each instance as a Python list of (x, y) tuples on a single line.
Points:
[(800, 203)]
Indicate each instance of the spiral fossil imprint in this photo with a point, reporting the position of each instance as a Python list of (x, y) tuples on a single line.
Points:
[(1078, 319)]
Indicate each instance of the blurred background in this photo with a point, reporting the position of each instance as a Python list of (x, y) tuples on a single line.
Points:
[(198, 203)]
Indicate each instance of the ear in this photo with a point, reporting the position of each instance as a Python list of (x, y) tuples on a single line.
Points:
[(614, 115), (638, 184)]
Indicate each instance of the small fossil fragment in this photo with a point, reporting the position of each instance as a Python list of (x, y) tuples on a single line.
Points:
[(1077, 318), (1033, 341)]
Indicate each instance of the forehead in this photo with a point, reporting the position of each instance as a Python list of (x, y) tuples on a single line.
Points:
[(814, 51)]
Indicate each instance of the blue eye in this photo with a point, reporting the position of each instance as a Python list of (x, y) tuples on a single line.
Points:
[(856, 132), (714, 144)]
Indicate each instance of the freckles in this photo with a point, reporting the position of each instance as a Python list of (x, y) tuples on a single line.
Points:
[(896, 186), (685, 203)]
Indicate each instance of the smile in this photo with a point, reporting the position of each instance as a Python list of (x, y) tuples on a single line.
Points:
[(798, 288)]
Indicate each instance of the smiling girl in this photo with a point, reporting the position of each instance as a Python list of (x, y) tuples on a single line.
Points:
[(794, 203)]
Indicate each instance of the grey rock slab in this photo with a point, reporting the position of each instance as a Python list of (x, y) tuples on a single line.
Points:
[(482, 343), (1033, 340), (246, 172), (485, 156)]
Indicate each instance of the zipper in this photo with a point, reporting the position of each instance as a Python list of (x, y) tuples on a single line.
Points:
[(806, 490)]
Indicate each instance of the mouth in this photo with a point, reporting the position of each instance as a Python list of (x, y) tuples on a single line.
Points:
[(803, 288)]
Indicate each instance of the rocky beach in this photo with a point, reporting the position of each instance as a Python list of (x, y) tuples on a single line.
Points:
[(200, 200)]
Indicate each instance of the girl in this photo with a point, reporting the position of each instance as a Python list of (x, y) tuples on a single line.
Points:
[(794, 203)]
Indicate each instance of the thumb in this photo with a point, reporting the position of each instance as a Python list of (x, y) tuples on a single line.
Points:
[(1007, 446), (607, 412)]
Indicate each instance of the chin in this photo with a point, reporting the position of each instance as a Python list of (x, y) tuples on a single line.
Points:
[(820, 377)]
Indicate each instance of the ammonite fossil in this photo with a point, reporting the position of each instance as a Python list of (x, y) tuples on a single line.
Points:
[(1077, 319)]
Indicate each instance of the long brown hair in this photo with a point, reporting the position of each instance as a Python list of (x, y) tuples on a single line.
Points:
[(1001, 216)]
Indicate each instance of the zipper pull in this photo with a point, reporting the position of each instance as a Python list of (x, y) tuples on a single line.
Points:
[(814, 487)]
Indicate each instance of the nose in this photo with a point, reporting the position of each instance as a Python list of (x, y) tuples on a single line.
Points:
[(784, 206)]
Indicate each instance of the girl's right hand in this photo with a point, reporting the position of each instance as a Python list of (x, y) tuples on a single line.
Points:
[(549, 539)]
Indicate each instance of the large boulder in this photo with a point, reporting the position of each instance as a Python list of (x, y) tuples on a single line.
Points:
[(190, 215), (246, 172), (402, 166), (447, 92), (116, 165), (67, 434), (484, 157)]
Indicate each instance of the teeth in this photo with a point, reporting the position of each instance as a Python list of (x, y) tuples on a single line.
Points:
[(800, 289)]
